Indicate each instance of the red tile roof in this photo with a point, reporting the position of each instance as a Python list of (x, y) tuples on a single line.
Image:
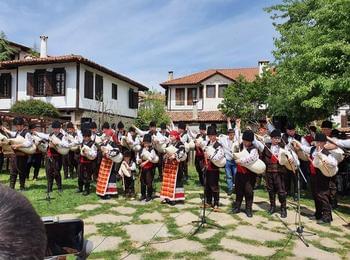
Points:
[(196, 78), (69, 58), (203, 116)]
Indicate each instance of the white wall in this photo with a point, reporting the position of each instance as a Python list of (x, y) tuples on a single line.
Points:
[(119, 106), (205, 104), (67, 101), (172, 99), (6, 103)]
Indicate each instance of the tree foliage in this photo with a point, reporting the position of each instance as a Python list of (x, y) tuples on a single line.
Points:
[(245, 100), (6, 50), (34, 107), (312, 56), (152, 109)]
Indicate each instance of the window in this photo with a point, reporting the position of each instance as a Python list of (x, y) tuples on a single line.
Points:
[(5, 85), (89, 85), (180, 96), (114, 91), (210, 91), (59, 82), (222, 88), (133, 99), (39, 82), (191, 96), (200, 92), (99, 88)]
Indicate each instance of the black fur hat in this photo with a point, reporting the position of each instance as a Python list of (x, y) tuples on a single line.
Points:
[(147, 138), (275, 133), (70, 125), (248, 135), (127, 153), (202, 126), (18, 121), (290, 126), (181, 125), (120, 125), (93, 125), (56, 124), (86, 132), (105, 125), (327, 124), (319, 137), (211, 130), (32, 126), (152, 124), (163, 126)]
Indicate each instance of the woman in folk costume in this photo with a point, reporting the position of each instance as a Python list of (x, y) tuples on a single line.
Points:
[(107, 179), (145, 158), (245, 179), (88, 153), (172, 190), (211, 178), (275, 173)]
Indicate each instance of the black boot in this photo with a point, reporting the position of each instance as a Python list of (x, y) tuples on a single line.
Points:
[(249, 212), (283, 201), (80, 189), (272, 203), (236, 207), (87, 189), (283, 212)]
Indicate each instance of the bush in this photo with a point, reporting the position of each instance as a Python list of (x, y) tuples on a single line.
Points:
[(34, 107)]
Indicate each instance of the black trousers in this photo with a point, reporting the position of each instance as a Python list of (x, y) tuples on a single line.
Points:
[(85, 172), (53, 172), (275, 185), (70, 164), (34, 161), (212, 189), (160, 165), (147, 182), (323, 195), (18, 167), (129, 187), (199, 164), (245, 183), (291, 178), (333, 191), (1, 161), (313, 187)]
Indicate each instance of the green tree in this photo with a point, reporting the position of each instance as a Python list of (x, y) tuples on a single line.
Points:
[(312, 56), (152, 109), (245, 100), (34, 107), (6, 50)]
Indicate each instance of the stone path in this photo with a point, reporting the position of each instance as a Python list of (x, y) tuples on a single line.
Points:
[(152, 229)]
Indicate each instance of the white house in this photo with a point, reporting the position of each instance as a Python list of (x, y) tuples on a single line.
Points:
[(75, 85), (195, 98)]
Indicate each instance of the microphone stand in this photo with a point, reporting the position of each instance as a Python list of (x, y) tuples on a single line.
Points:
[(299, 231), (202, 223)]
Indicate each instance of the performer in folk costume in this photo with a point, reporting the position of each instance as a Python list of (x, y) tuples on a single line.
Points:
[(275, 173), (227, 142), (326, 129), (35, 159), (98, 159), (291, 178), (184, 139), (128, 171), (19, 159), (165, 135), (172, 189), (119, 134), (146, 167), (199, 156), (88, 153), (245, 179), (212, 188), (1, 150), (310, 137), (71, 160), (107, 179), (320, 182), (54, 158)]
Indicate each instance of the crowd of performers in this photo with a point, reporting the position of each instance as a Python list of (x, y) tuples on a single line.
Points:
[(106, 155)]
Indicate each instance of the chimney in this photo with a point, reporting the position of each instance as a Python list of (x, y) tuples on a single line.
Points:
[(262, 64), (170, 75), (195, 110), (43, 46)]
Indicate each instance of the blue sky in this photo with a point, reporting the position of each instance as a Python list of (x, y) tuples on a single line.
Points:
[(144, 39)]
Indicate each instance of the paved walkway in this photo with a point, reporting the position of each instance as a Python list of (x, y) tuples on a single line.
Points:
[(122, 229)]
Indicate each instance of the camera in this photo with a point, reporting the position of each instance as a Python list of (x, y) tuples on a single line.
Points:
[(65, 237)]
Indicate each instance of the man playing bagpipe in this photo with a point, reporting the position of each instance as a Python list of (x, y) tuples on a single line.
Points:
[(88, 153), (146, 158), (127, 171), (35, 159), (212, 172), (200, 138), (172, 189), (184, 139), (19, 159), (71, 160)]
